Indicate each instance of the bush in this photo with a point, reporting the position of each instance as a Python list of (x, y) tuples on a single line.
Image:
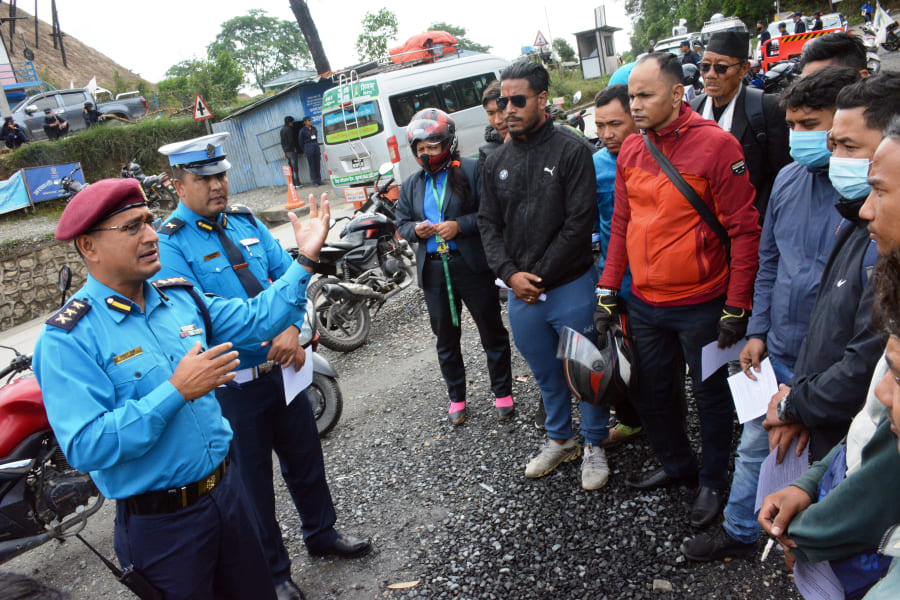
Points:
[(566, 83), (103, 150)]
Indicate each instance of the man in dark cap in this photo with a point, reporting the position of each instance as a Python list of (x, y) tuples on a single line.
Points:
[(288, 135), (231, 254), (753, 118), (309, 145), (688, 56), (54, 126), (11, 134), (128, 368), (817, 25), (90, 114), (799, 25)]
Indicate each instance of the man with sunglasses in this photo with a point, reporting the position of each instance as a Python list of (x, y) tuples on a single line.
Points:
[(228, 253), (538, 206), (754, 118), (684, 289), (128, 368)]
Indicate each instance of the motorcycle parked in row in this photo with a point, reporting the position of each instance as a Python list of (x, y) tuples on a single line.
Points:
[(159, 189), (359, 273), (324, 393), (41, 496)]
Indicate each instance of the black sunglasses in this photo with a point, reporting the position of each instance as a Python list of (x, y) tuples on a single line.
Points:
[(719, 69), (519, 101)]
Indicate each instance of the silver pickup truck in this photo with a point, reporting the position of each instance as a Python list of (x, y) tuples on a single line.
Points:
[(29, 114)]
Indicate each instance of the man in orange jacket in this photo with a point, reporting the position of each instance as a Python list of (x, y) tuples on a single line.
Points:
[(685, 289)]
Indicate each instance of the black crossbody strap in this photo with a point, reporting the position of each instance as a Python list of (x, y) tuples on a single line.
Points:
[(690, 194)]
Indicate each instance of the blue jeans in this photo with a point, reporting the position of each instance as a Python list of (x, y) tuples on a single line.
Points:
[(740, 516), (535, 328), (657, 332)]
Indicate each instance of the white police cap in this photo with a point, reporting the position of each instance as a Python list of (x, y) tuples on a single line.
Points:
[(199, 156)]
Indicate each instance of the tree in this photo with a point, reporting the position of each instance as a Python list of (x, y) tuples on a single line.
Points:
[(565, 52), (217, 81), (311, 34), (264, 46), (460, 34), (378, 28)]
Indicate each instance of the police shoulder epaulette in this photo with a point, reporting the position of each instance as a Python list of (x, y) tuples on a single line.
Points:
[(69, 314), (240, 209), (171, 282), (171, 226)]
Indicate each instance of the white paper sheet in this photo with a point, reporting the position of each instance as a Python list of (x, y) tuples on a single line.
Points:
[(500, 284), (773, 477), (817, 581), (712, 357), (297, 381), (751, 398)]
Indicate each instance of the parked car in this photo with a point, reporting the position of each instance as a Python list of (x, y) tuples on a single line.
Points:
[(29, 114)]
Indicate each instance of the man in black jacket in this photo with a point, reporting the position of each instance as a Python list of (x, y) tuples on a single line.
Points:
[(753, 118), (537, 209), (288, 135)]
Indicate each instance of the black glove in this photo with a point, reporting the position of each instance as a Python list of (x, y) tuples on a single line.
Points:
[(732, 326), (606, 312)]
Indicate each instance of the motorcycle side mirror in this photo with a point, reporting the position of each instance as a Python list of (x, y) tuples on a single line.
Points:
[(385, 168), (63, 281), (577, 97)]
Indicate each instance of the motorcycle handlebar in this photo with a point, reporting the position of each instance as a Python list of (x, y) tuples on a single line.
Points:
[(22, 362)]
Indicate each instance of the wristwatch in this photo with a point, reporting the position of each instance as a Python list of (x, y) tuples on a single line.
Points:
[(306, 261), (782, 408), (599, 291)]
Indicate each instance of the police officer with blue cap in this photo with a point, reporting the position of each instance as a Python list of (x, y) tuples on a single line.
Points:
[(227, 252), (128, 368)]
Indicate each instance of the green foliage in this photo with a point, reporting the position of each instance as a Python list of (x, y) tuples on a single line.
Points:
[(565, 83), (264, 46), (565, 52), (378, 29), (217, 81), (103, 150), (460, 34)]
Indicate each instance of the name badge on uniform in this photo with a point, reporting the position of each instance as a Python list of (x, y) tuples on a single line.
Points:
[(126, 355), (209, 257), (249, 241), (189, 330)]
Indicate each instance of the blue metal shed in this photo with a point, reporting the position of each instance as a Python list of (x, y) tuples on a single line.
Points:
[(254, 144)]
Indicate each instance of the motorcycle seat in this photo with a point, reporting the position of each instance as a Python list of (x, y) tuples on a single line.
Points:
[(341, 245)]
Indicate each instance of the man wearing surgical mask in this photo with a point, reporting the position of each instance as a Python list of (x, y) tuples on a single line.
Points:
[(840, 351), (797, 237)]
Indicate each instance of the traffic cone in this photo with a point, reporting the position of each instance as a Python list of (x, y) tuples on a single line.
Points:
[(294, 200)]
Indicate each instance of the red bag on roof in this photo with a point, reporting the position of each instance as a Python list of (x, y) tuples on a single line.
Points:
[(427, 47)]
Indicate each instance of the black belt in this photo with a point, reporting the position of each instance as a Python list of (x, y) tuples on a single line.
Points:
[(437, 255), (168, 501)]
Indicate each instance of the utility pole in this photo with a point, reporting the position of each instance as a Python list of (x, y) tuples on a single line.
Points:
[(313, 41)]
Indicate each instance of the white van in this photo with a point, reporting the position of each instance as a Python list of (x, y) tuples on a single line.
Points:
[(364, 119)]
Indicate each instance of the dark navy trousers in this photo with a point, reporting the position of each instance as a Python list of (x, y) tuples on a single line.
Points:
[(205, 551), (262, 423)]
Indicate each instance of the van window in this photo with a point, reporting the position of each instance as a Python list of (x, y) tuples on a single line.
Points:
[(342, 126), (451, 97)]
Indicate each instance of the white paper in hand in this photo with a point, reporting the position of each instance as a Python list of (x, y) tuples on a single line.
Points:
[(774, 477), (751, 398), (712, 357), (297, 381)]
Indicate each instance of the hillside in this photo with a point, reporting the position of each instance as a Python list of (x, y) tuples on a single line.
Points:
[(83, 61)]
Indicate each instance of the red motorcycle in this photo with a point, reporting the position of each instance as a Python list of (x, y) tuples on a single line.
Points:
[(41, 496)]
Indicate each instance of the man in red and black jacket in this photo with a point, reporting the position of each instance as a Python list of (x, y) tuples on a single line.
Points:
[(684, 291)]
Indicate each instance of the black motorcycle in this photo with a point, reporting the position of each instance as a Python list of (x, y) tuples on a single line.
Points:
[(159, 189), (358, 274)]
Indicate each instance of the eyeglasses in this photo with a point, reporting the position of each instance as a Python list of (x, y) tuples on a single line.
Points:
[(719, 69), (133, 228), (519, 101)]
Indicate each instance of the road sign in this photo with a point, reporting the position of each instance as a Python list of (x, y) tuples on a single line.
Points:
[(201, 110), (540, 40)]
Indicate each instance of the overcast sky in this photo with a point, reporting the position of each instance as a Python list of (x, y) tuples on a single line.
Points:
[(149, 37)]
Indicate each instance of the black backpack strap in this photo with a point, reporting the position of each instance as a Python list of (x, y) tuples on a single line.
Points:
[(690, 194), (753, 108)]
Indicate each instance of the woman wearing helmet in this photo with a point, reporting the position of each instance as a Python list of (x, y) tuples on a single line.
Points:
[(438, 209)]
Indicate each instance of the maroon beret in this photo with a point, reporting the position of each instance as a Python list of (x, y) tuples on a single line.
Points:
[(95, 203)]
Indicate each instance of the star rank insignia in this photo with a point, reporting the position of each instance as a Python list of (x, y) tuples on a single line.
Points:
[(67, 317)]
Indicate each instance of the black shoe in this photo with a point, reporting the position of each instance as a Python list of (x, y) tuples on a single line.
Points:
[(505, 412), (344, 546), (458, 417), (288, 590), (715, 546), (657, 478), (707, 506)]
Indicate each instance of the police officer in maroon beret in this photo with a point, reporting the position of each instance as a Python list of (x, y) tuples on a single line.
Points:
[(128, 368)]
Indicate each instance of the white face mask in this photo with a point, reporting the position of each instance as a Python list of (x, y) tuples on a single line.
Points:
[(850, 177)]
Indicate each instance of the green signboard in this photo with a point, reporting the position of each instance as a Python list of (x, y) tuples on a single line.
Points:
[(341, 94), (358, 178)]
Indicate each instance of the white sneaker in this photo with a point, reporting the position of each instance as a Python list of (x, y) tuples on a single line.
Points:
[(594, 469), (551, 456)]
